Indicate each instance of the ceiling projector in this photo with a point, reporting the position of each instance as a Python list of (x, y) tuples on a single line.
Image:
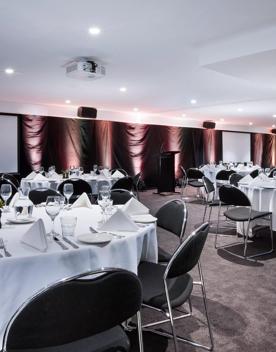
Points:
[(85, 69)]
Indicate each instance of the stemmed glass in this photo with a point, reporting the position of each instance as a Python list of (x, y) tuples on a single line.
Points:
[(53, 206), (68, 190), (267, 171), (6, 192), (103, 201), (274, 177), (95, 169)]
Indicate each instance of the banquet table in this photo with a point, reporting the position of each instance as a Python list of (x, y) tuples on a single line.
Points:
[(211, 171), (28, 270), (245, 170), (95, 182)]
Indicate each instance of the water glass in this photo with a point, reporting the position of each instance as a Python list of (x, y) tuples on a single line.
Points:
[(95, 169), (68, 225), (104, 192), (68, 190), (267, 171), (52, 208), (6, 192)]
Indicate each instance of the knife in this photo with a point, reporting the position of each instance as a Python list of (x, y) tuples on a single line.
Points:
[(70, 242), (58, 241)]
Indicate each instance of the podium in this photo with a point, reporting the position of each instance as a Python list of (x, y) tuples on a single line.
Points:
[(166, 176)]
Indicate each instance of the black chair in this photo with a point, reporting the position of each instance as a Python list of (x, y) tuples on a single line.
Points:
[(39, 195), (241, 211), (121, 196), (13, 187), (271, 172), (11, 178), (194, 177), (234, 179), (78, 314), (80, 187), (223, 176), (121, 170), (254, 173), (210, 193), (184, 182), (172, 217), (124, 183), (136, 180), (167, 287)]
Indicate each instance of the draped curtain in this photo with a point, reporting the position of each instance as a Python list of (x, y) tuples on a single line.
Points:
[(66, 142)]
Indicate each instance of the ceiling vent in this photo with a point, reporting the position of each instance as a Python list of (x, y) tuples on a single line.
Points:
[(85, 69)]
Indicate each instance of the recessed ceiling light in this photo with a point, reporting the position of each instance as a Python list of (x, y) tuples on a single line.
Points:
[(250, 123), (123, 89), (183, 115), (9, 71), (274, 115), (222, 120), (273, 126), (240, 109), (135, 109), (94, 30), (193, 101), (67, 101)]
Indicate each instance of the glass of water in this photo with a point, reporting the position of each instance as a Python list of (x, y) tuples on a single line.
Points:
[(68, 225), (68, 190), (6, 192)]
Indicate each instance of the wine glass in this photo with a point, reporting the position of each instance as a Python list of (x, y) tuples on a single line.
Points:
[(105, 192), (103, 203), (260, 171), (52, 208), (95, 169), (68, 190), (267, 171), (6, 192), (81, 170)]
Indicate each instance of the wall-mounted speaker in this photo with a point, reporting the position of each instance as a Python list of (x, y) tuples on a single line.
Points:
[(273, 130), (84, 111), (209, 124)]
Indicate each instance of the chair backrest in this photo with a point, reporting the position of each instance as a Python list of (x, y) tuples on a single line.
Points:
[(172, 216), (80, 186), (188, 253), (136, 180), (234, 179), (184, 173), (12, 178), (194, 174), (121, 170), (232, 195), (224, 175), (208, 185), (271, 172), (121, 196), (74, 309), (124, 183), (254, 173), (39, 195)]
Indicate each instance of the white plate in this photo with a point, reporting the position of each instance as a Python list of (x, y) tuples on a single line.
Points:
[(21, 221), (145, 218), (95, 238)]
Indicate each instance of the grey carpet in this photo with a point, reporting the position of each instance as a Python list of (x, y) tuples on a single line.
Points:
[(241, 294)]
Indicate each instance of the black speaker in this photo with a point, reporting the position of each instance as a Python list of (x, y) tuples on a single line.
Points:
[(273, 130), (209, 124), (85, 111)]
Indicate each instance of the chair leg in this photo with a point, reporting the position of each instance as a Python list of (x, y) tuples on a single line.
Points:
[(140, 334), (171, 319), (210, 212), (205, 210), (246, 239), (216, 237)]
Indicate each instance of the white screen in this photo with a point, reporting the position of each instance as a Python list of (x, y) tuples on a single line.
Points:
[(235, 147), (8, 144)]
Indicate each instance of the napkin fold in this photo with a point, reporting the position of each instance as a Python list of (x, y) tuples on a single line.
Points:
[(117, 174), (134, 207), (35, 237), (82, 202), (119, 221), (246, 179), (14, 199), (39, 177), (260, 181), (31, 175), (55, 176), (106, 173)]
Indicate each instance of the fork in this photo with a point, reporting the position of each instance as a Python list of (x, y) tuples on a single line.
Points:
[(2, 246)]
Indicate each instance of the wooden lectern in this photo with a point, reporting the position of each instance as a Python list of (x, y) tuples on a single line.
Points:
[(166, 176)]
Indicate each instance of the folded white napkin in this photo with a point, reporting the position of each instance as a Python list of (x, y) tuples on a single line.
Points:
[(106, 172), (117, 174), (35, 237), (260, 181), (31, 175), (55, 176), (82, 202), (119, 221), (263, 177), (246, 179), (39, 177), (134, 207), (14, 199)]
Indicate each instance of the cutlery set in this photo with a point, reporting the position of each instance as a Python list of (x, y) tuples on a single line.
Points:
[(3, 247)]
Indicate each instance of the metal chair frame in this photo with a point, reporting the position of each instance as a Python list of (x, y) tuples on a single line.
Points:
[(245, 234), (170, 318), (57, 283)]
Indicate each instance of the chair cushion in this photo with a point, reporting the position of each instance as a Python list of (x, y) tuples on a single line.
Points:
[(196, 183), (242, 214), (163, 256), (151, 277), (114, 339)]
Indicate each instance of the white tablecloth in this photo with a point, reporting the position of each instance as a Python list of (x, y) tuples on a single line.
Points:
[(245, 170), (211, 171), (29, 270), (95, 182)]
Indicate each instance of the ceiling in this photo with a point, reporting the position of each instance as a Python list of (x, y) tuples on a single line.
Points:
[(220, 52)]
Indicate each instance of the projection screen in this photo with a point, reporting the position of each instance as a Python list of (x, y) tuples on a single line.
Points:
[(235, 147), (8, 144)]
